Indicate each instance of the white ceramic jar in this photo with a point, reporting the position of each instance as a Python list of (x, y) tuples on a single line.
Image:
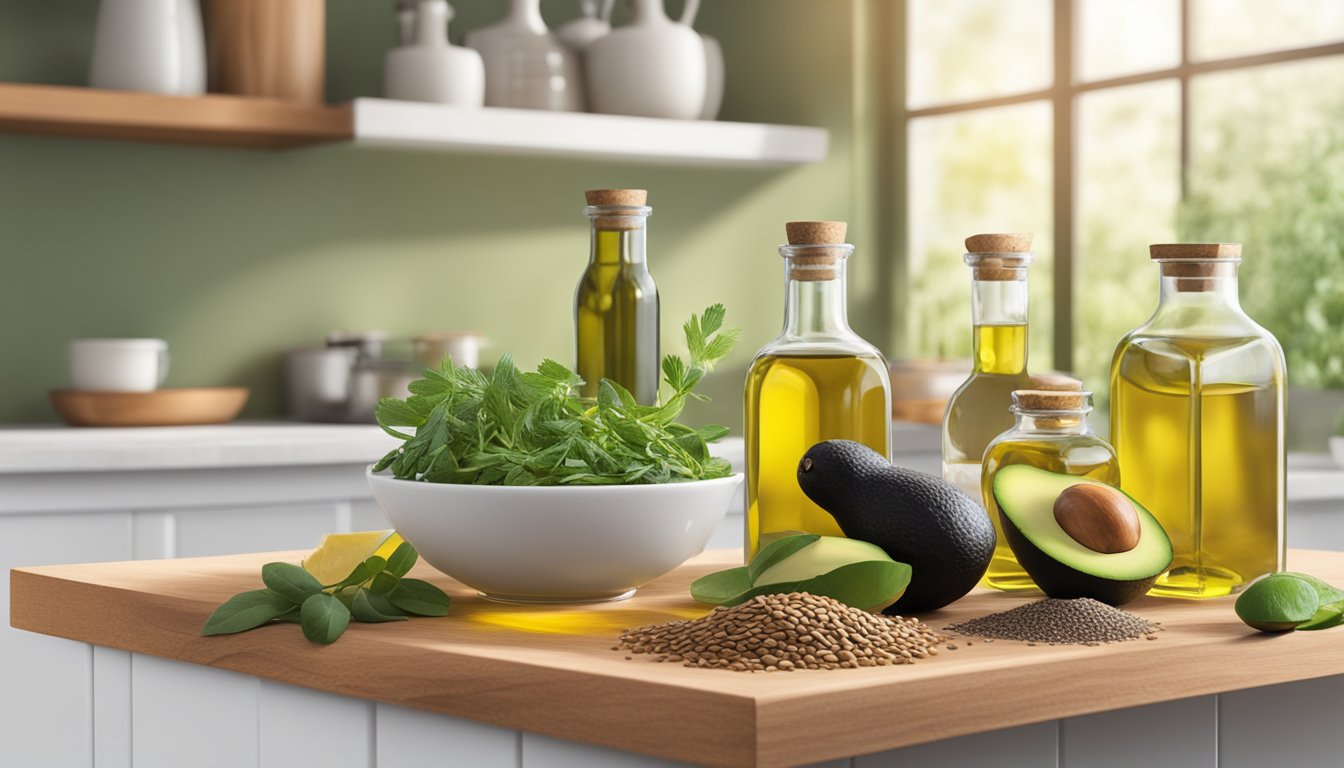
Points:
[(429, 68), (149, 45), (526, 67), (652, 67)]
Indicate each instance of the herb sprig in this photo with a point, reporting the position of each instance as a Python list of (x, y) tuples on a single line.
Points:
[(531, 428), (376, 590)]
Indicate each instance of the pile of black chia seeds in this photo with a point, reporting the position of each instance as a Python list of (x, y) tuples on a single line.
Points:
[(1082, 621)]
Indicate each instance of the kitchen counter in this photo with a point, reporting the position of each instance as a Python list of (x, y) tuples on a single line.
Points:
[(551, 674), (57, 448)]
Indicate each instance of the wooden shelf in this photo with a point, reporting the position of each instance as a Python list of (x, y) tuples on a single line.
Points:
[(213, 119), (578, 134), (552, 670), (264, 123)]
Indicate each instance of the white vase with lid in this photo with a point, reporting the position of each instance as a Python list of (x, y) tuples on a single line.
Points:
[(429, 68), (526, 67), (652, 67), (149, 45)]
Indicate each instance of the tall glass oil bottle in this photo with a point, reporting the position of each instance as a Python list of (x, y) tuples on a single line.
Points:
[(978, 410), (616, 303), (1197, 418), (1051, 433), (818, 380)]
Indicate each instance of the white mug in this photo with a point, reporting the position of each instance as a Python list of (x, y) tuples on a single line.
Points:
[(118, 365)]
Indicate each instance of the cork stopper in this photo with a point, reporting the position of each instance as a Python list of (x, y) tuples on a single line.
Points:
[(635, 200), (1003, 242), (1054, 382), (816, 232), (1050, 400), (990, 256), (810, 260), (1197, 261)]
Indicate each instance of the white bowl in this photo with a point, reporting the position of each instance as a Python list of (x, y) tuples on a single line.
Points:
[(567, 544)]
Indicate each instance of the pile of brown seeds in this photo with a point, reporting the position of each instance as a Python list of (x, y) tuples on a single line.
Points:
[(786, 632), (1060, 622)]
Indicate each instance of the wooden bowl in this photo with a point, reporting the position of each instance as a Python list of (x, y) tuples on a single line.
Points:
[(160, 408)]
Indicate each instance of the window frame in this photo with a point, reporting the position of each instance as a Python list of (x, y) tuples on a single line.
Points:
[(1062, 95)]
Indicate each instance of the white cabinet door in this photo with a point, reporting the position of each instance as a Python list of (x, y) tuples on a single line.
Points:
[(45, 710)]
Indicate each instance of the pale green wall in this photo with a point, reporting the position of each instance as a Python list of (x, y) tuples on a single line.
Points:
[(234, 255)]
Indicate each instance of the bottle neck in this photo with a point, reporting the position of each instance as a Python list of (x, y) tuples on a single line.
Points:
[(814, 291), (526, 13), (619, 234), (1053, 422), (431, 23), (999, 314), (1200, 282)]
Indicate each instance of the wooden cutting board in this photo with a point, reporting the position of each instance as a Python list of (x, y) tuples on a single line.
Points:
[(553, 670)]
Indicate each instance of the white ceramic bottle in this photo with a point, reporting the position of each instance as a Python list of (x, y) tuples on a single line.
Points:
[(429, 68), (593, 23), (653, 67), (526, 67), (149, 45)]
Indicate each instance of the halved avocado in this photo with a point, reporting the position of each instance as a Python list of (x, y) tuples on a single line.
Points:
[(1060, 566)]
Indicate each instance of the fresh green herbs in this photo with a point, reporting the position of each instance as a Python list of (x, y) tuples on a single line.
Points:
[(517, 428), (376, 590)]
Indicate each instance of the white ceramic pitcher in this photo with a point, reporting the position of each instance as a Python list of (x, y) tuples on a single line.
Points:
[(149, 45), (428, 68), (525, 65), (652, 67)]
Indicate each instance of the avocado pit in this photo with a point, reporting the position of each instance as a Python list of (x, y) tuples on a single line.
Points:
[(1098, 517)]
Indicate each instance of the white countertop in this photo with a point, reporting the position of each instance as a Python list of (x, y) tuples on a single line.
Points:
[(57, 448)]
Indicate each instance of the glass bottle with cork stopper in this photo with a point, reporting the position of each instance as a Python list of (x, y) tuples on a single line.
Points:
[(1197, 419), (818, 380), (1051, 433), (978, 411), (616, 302)]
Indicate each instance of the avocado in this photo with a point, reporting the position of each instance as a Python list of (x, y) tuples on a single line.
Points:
[(915, 518), (1061, 566), (854, 572)]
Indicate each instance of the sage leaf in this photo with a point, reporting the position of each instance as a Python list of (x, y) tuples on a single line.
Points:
[(420, 597), (244, 611), (363, 609), (290, 581), (721, 586), (358, 575), (323, 618), (402, 559), (383, 583), (375, 564)]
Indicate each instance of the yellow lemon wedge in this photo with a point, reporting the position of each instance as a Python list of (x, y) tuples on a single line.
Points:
[(339, 553)]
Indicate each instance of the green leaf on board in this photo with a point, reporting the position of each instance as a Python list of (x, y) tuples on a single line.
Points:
[(358, 575), (323, 618), (364, 610), (383, 583), (291, 581), (402, 559), (721, 586), (1327, 616), (245, 611), (420, 597)]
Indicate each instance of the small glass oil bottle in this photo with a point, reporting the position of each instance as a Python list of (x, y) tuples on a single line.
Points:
[(616, 302), (1197, 418), (1051, 433), (978, 410), (818, 380)]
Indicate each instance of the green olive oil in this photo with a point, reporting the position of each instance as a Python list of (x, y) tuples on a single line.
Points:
[(616, 303)]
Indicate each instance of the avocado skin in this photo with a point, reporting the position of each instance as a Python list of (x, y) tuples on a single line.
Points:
[(918, 519), (1059, 580)]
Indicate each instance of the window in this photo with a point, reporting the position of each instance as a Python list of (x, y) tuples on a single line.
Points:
[(1106, 125)]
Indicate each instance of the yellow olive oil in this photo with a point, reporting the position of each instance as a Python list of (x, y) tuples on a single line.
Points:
[(979, 410), (792, 403), (616, 302), (1197, 423)]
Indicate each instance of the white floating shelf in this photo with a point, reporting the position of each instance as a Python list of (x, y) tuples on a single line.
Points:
[(575, 134)]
